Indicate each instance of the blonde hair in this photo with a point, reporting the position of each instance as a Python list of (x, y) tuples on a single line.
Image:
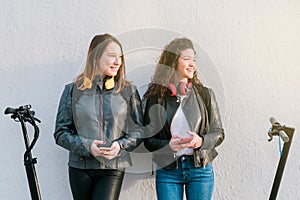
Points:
[(97, 47)]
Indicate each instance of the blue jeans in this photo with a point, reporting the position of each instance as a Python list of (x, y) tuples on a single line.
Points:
[(197, 182)]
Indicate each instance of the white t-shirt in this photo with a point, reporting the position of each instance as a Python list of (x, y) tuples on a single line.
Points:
[(180, 126)]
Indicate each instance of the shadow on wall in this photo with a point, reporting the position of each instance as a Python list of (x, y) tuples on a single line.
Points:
[(141, 169)]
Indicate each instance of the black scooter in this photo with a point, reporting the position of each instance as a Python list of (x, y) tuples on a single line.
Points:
[(23, 114), (286, 134)]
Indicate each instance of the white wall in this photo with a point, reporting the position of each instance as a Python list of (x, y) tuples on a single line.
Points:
[(248, 52)]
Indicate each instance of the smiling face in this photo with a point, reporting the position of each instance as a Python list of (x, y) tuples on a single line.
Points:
[(186, 65), (110, 61)]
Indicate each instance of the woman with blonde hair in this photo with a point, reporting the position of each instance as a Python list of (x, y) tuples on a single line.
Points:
[(99, 121)]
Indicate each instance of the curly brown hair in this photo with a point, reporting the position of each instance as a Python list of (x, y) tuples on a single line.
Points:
[(166, 67)]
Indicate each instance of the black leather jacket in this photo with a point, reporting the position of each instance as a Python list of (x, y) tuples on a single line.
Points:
[(84, 116), (206, 123)]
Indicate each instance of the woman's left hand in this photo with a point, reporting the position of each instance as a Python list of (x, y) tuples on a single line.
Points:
[(196, 141), (111, 153)]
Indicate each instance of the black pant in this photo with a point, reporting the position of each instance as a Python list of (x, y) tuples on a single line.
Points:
[(95, 184)]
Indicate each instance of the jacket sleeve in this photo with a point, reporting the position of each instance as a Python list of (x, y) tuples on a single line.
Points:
[(154, 121), (65, 132), (134, 122), (215, 135)]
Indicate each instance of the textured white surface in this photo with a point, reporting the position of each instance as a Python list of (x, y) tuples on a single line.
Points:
[(252, 45)]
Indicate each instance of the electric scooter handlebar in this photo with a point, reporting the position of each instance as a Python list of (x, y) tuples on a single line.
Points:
[(23, 114), (277, 129), (273, 121)]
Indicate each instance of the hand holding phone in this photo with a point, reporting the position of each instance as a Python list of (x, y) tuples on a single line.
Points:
[(105, 148), (185, 140)]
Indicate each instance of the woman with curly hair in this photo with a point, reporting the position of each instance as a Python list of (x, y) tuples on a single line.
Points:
[(183, 125)]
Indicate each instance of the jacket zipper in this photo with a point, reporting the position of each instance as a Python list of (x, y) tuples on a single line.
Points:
[(101, 115), (101, 120)]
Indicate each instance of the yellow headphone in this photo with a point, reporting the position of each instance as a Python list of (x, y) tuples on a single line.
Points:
[(109, 83)]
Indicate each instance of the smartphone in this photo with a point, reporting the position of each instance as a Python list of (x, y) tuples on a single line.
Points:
[(186, 140), (105, 148)]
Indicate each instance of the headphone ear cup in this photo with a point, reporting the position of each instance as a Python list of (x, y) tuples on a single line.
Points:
[(184, 87), (109, 83), (172, 88)]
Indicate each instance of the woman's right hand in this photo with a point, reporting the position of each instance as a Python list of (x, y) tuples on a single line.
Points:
[(95, 149)]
